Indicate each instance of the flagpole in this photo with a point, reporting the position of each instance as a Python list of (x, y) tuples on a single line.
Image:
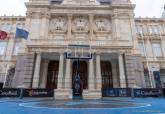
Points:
[(150, 75), (7, 66), (6, 73)]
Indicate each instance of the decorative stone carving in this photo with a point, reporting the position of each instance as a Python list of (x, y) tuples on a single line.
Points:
[(80, 24), (102, 25), (58, 24)]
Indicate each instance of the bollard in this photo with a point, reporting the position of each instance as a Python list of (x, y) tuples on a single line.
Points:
[(132, 93), (164, 92), (21, 93)]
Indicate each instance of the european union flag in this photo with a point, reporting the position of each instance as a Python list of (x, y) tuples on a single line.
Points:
[(20, 33)]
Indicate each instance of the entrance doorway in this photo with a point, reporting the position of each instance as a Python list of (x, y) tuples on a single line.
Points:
[(52, 75), (79, 78), (106, 73)]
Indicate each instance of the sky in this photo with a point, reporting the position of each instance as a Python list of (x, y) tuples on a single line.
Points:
[(144, 8)]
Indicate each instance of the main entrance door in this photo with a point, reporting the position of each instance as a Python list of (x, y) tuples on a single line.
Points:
[(79, 78), (106, 73), (52, 75)]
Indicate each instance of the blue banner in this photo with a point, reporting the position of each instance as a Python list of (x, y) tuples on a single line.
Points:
[(9, 92), (147, 92), (5, 92), (116, 92)]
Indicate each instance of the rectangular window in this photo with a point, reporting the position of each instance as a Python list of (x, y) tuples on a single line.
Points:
[(156, 29), (157, 49), (16, 48), (151, 29), (6, 27), (142, 49), (139, 29), (2, 48)]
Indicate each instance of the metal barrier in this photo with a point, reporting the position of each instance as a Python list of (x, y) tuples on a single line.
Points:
[(112, 92), (19, 92), (132, 92), (116, 92)]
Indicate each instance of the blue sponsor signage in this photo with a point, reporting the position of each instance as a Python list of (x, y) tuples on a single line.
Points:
[(9, 92), (116, 92), (147, 92), (5, 92)]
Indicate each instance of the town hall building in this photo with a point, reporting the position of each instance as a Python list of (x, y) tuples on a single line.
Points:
[(99, 40)]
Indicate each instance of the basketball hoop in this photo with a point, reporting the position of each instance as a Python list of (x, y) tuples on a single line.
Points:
[(75, 51)]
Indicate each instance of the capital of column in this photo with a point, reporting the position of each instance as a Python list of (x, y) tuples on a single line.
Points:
[(46, 61), (61, 52), (69, 15), (91, 16)]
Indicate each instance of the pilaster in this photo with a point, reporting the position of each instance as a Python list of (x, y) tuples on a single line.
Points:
[(44, 74), (98, 73), (69, 33), (122, 72), (37, 71), (60, 72)]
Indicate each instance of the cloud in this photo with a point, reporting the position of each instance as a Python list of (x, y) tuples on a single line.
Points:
[(148, 8), (15, 7), (143, 8)]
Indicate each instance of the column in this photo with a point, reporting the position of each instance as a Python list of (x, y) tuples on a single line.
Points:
[(44, 74), (68, 79), (91, 85), (60, 72), (37, 71), (122, 72), (115, 78), (98, 72)]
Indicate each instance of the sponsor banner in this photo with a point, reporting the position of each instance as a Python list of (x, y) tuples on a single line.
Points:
[(5, 92), (38, 93), (116, 92), (9, 92), (147, 92)]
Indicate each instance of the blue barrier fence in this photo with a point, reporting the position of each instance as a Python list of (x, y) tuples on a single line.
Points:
[(129, 92), (111, 92), (6, 92)]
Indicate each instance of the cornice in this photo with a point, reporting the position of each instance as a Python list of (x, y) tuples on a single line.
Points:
[(15, 18), (149, 19)]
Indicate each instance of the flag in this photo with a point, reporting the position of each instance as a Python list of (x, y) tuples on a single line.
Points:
[(20, 33), (3, 35)]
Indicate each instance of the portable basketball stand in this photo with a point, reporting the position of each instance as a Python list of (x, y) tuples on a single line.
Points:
[(78, 52)]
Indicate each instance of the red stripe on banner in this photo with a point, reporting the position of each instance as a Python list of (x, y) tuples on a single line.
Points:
[(3, 35)]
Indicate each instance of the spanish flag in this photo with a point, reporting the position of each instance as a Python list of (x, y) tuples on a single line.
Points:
[(3, 35)]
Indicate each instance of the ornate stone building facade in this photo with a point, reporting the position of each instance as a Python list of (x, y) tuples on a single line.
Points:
[(126, 50)]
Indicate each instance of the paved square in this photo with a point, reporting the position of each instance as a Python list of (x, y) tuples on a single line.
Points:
[(104, 106)]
